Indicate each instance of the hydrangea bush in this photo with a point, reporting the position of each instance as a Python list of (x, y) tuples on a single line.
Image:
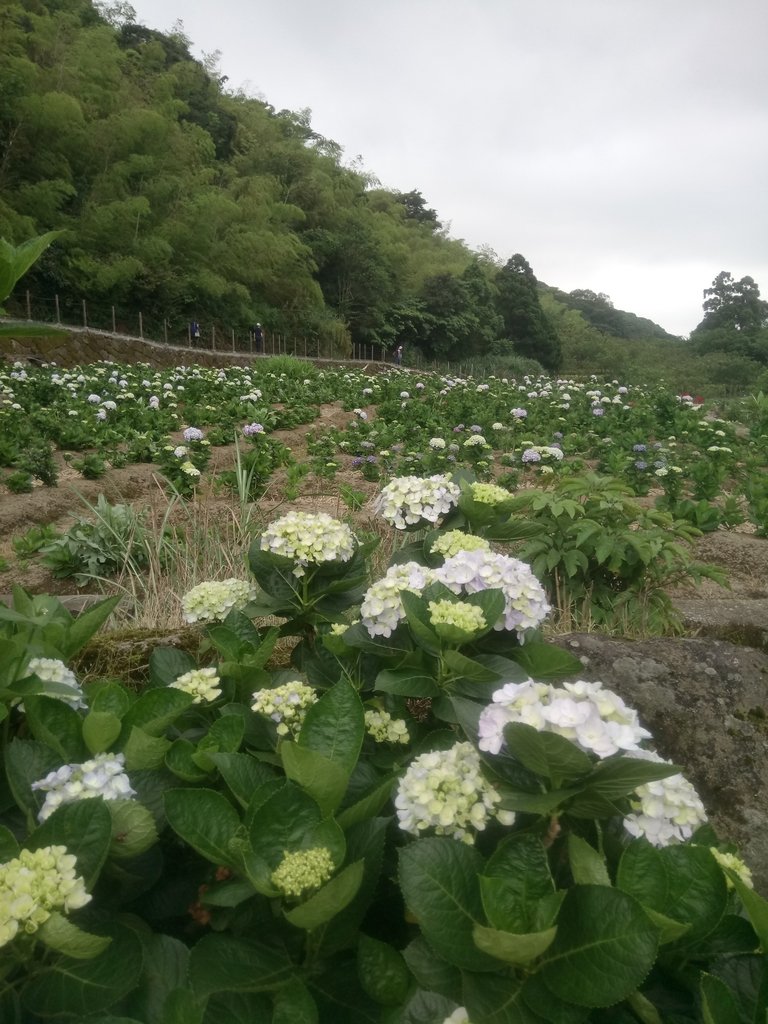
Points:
[(427, 817)]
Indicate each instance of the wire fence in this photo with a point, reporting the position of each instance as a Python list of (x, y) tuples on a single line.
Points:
[(213, 336)]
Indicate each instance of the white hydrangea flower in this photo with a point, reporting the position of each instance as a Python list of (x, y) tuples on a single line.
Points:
[(730, 862), (489, 494), (459, 1016), (301, 871), (33, 885), (666, 811), (469, 572), (476, 441), (52, 670), (309, 538), (286, 705), (444, 790), (383, 728), (458, 615), (200, 683), (438, 443), (188, 469), (382, 606), (453, 541), (408, 500), (102, 775), (595, 719), (213, 599)]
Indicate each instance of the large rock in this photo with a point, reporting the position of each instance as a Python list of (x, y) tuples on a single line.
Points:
[(706, 703)]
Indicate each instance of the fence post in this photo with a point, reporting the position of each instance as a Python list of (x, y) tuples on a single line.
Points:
[(29, 306), (141, 326), (114, 321), (165, 330), (85, 315), (233, 339), (213, 337), (58, 311)]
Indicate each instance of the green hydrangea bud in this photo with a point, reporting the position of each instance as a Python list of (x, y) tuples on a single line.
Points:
[(300, 872)]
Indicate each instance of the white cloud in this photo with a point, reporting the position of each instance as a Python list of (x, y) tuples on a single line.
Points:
[(620, 145)]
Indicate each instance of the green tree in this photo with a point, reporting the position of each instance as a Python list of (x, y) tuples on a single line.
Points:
[(525, 323)]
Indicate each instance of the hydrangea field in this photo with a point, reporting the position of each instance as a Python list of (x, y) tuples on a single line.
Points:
[(375, 792)]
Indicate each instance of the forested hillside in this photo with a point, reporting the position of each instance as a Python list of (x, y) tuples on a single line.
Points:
[(187, 201)]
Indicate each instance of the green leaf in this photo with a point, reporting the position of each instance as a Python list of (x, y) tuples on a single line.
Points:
[(155, 710), (133, 829), (85, 828), (110, 697), (87, 624), (469, 668), (407, 683), (166, 664), (417, 617), (224, 736), (326, 781), (755, 906), (545, 661), (100, 730), (718, 1005), (438, 878), (57, 725), (223, 963), (513, 948), (516, 883), (427, 1008), (204, 819), (335, 726), (382, 971), (587, 865), (642, 874), (496, 1000), (181, 1007), (696, 894), (431, 971), (357, 636), (83, 987), (9, 847), (238, 1008), (328, 901), (368, 806), (604, 948), (533, 803), (293, 1004), (243, 774), (144, 751), (669, 929), (617, 777), (27, 761), (546, 753), (284, 822), (179, 759), (538, 998), (60, 935), (15, 260)]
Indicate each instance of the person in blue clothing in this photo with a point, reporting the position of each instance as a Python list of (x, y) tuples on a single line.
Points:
[(399, 355)]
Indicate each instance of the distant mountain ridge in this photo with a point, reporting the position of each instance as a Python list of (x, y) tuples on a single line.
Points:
[(598, 310)]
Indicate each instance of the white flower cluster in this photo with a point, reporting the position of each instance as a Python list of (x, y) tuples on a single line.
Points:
[(200, 683), (451, 542), (489, 494), (459, 1016), (595, 719), (303, 870), (33, 885), (102, 775), (666, 811), (730, 862), (215, 598), (309, 538), (51, 670), (382, 606), (445, 790), (457, 615), (286, 705), (469, 572), (408, 500), (383, 728), (437, 443)]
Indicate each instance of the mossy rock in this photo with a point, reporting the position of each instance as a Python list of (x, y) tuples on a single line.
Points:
[(124, 654)]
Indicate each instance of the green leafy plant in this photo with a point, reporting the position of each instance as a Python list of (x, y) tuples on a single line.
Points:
[(91, 466), (36, 537), (15, 260), (19, 482)]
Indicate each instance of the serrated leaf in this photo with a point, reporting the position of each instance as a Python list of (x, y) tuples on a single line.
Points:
[(100, 730), (59, 934), (325, 780), (243, 774), (223, 963), (546, 753), (407, 683), (382, 971), (166, 664), (85, 828), (587, 865), (545, 661), (335, 726), (604, 948), (439, 881)]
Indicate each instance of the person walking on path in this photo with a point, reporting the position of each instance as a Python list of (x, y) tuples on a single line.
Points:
[(399, 355)]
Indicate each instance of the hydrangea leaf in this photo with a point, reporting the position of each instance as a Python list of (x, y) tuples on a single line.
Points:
[(325, 780), (223, 963), (546, 753), (329, 900), (335, 726), (85, 828), (604, 948), (206, 820), (382, 971), (439, 880)]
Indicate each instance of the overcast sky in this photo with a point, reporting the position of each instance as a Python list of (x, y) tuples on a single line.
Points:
[(619, 145)]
